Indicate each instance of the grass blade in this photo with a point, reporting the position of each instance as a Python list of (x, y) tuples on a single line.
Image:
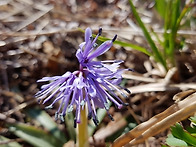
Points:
[(5, 142), (45, 120), (34, 136), (155, 51), (125, 44)]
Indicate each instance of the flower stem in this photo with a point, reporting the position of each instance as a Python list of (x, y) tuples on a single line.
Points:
[(82, 136)]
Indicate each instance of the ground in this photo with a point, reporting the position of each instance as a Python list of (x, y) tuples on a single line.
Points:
[(40, 38)]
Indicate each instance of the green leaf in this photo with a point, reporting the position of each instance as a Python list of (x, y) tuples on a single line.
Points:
[(124, 44), (100, 115), (45, 120), (157, 55), (178, 132), (160, 6), (8, 142), (175, 142), (133, 46), (34, 136), (193, 119), (175, 7), (69, 119), (172, 25), (191, 130)]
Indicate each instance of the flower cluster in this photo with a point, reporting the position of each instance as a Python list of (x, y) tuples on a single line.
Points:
[(93, 84)]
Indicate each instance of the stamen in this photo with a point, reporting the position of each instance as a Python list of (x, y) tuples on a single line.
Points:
[(114, 38), (125, 104), (110, 116), (70, 108), (82, 103), (56, 116), (117, 61), (106, 106), (112, 61), (127, 90), (49, 107), (124, 95), (75, 124), (38, 94), (91, 38), (89, 115), (100, 31), (96, 122), (39, 101), (62, 117), (129, 69), (95, 45)]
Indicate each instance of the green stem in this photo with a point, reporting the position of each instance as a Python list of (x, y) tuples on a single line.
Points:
[(82, 136), (184, 11)]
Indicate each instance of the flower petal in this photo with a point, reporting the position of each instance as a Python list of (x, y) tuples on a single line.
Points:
[(44, 79), (101, 49), (88, 34)]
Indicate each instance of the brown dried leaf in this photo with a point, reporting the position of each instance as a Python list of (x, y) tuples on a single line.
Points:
[(110, 129), (159, 123), (161, 86), (181, 95)]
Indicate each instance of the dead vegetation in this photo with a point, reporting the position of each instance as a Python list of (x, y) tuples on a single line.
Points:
[(40, 38)]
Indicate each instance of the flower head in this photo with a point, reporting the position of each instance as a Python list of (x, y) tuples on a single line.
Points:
[(93, 84)]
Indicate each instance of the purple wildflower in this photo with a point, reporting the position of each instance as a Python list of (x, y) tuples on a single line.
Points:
[(93, 84)]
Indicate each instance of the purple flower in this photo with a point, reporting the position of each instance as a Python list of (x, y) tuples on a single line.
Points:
[(93, 84)]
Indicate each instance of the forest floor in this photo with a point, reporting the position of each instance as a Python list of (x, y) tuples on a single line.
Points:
[(40, 37)]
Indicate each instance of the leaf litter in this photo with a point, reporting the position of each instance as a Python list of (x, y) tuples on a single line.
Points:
[(40, 38)]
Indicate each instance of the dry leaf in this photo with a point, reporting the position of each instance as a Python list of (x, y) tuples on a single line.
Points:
[(158, 123)]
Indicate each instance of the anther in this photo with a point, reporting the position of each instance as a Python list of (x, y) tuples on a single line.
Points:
[(49, 107), (114, 38), (70, 108), (106, 106), (89, 115), (117, 61), (56, 116), (100, 31), (127, 90), (75, 123), (62, 118), (129, 69), (125, 104), (95, 121), (110, 116), (95, 45), (91, 38)]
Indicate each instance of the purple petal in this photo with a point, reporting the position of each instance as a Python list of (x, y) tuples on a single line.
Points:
[(44, 79), (88, 34), (101, 49), (75, 96), (91, 91), (116, 81), (80, 98), (56, 91), (79, 55), (79, 83), (67, 74), (82, 45), (93, 44), (98, 102), (65, 102), (91, 88)]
